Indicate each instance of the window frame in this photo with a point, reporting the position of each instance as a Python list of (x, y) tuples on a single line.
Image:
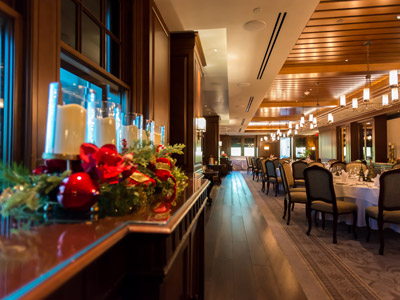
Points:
[(14, 145)]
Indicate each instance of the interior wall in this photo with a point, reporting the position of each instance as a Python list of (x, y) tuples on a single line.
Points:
[(327, 144), (274, 148), (160, 75), (393, 135)]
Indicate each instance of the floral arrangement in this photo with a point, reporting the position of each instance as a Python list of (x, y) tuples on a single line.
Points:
[(118, 183), (224, 155)]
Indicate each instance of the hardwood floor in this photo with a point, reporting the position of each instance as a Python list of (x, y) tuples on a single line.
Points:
[(243, 260)]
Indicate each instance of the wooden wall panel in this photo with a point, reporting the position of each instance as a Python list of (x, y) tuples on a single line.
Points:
[(354, 141), (160, 74), (274, 148), (211, 138), (380, 136), (45, 68), (393, 135)]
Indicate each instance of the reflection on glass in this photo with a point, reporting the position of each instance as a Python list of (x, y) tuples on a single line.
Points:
[(68, 22), (112, 58), (94, 6), (90, 39), (285, 147), (113, 16)]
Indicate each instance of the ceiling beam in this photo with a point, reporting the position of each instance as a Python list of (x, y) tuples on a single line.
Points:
[(271, 128), (267, 103), (280, 118), (345, 68)]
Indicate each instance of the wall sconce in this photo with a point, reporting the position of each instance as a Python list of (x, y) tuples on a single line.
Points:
[(266, 148), (220, 143), (200, 127), (313, 148)]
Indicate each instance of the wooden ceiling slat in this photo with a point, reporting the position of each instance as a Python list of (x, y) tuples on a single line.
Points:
[(368, 37), (355, 26), (346, 44), (347, 33), (334, 5), (356, 12), (353, 19), (346, 54), (349, 49)]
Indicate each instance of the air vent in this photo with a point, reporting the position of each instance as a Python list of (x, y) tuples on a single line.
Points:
[(271, 44), (240, 130), (249, 104), (242, 121)]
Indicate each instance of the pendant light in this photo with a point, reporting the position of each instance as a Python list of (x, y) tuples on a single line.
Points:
[(354, 103), (342, 100), (366, 91), (330, 118)]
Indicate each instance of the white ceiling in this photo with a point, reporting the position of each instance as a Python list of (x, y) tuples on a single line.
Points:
[(234, 54)]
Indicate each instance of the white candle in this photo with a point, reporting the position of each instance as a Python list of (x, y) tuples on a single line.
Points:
[(70, 129), (105, 132), (129, 133), (157, 139)]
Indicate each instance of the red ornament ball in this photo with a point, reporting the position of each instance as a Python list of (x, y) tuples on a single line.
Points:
[(78, 192)]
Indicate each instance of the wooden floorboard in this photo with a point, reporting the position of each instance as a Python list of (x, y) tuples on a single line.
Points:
[(238, 261)]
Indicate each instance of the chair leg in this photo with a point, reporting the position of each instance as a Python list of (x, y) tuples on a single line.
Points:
[(268, 187), (323, 221), (381, 240), (285, 204), (288, 215), (263, 186), (308, 213), (276, 189), (354, 224), (335, 218), (315, 219), (368, 227), (292, 206)]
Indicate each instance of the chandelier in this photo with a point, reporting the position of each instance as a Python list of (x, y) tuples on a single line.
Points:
[(367, 102)]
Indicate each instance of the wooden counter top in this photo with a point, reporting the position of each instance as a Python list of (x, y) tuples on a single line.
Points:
[(36, 258)]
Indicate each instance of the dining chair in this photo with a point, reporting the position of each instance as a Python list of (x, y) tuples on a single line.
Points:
[(262, 172), (272, 177), (292, 195), (321, 198), (388, 209), (337, 166), (355, 166), (254, 169), (298, 168), (315, 163), (248, 162)]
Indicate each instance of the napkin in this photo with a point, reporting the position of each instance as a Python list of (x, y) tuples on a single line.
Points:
[(376, 180), (344, 176)]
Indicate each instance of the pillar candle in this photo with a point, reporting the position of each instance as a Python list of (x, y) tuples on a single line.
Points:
[(70, 129), (129, 133), (105, 132)]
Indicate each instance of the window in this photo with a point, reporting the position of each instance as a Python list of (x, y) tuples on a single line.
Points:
[(105, 91), (236, 146), (285, 147), (249, 147), (92, 27), (6, 88)]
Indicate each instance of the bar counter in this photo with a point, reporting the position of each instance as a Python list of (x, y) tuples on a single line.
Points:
[(139, 256)]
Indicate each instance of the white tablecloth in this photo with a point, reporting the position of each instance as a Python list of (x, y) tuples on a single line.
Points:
[(364, 195)]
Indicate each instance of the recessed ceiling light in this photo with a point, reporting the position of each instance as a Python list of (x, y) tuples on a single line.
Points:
[(398, 17), (346, 60), (215, 50), (254, 25), (257, 10), (306, 92)]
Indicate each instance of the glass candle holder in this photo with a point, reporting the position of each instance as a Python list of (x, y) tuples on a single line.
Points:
[(105, 125), (130, 129), (159, 134), (149, 131), (70, 122)]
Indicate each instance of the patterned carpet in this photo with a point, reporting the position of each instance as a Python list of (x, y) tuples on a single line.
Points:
[(351, 269)]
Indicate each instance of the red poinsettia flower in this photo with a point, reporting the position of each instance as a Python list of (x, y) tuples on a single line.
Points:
[(105, 162), (163, 175)]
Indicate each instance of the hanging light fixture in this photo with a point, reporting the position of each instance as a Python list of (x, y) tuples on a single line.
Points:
[(354, 103), (290, 124), (295, 131), (296, 127), (342, 100), (311, 126), (315, 121), (394, 84), (302, 120), (366, 91), (330, 118), (310, 117), (385, 100)]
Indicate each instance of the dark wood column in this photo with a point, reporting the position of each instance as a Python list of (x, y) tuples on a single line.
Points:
[(380, 134), (186, 72), (211, 138), (354, 141)]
